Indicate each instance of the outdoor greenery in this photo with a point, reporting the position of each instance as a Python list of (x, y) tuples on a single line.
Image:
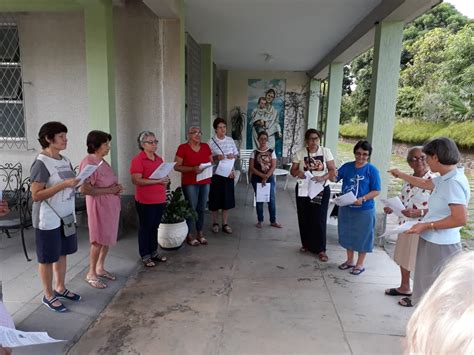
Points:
[(436, 80), (177, 208)]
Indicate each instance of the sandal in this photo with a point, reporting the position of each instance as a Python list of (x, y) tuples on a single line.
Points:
[(193, 242), (345, 265), (395, 292), (96, 283), (159, 258), (323, 257), (200, 238), (226, 229), (148, 263), (276, 225), (259, 225), (49, 304), (107, 275), (357, 271), (215, 228), (67, 295), (405, 302)]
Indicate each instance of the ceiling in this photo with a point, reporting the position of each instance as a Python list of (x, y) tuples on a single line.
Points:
[(299, 35)]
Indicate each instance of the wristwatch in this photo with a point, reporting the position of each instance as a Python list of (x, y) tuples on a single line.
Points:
[(364, 199)]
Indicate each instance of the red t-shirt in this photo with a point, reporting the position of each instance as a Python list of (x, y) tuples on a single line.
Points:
[(149, 194), (192, 158)]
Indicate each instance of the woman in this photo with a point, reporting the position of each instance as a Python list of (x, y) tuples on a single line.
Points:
[(262, 164), (312, 213), (189, 157), (52, 190), (102, 192), (221, 192), (150, 197), (447, 213), (415, 201), (363, 179)]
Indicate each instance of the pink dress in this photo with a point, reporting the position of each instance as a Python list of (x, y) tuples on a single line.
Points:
[(103, 211)]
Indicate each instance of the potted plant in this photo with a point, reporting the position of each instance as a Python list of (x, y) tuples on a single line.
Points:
[(173, 228)]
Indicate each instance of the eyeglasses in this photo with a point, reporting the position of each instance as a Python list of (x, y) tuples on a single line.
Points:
[(360, 154), (196, 133), (414, 159), (313, 139), (151, 142)]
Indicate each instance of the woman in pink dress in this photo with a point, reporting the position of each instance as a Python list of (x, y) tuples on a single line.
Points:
[(102, 192)]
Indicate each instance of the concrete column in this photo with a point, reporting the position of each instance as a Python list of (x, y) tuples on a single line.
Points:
[(334, 106), (182, 65), (313, 104), (101, 69), (207, 92), (383, 96)]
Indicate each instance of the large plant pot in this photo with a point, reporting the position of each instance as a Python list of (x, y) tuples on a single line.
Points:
[(172, 235)]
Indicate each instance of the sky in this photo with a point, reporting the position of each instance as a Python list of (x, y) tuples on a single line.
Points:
[(466, 7)]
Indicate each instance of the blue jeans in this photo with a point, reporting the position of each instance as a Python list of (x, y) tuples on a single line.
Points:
[(197, 197), (272, 204)]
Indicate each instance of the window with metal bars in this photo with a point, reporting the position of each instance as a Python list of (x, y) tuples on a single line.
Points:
[(12, 113)]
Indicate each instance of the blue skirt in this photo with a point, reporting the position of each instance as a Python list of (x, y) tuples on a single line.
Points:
[(356, 229)]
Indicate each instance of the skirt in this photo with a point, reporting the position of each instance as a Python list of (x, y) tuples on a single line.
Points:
[(405, 251), (430, 260), (356, 229), (221, 193)]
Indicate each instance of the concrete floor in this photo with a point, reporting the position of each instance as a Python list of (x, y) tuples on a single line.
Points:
[(249, 293)]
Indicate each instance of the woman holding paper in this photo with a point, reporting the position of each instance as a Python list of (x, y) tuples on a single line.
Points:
[(221, 192), (262, 164), (317, 161), (150, 197), (193, 159), (356, 222), (415, 202), (447, 213), (102, 192), (53, 185)]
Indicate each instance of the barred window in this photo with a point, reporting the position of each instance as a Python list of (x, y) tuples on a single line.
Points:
[(12, 114)]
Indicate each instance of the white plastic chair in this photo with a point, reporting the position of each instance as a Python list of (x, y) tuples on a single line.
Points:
[(244, 157)]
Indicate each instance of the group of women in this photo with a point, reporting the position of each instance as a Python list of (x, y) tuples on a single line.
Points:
[(54, 185)]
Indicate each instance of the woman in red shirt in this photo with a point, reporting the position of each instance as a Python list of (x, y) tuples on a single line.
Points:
[(188, 159), (150, 197)]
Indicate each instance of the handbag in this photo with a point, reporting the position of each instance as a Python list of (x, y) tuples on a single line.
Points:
[(68, 225)]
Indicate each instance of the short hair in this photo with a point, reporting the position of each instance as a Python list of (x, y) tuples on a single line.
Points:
[(262, 133), (95, 139), (444, 148), (412, 151), (311, 131), (260, 99), (217, 121), (48, 131), (141, 138), (442, 321), (193, 127), (364, 145)]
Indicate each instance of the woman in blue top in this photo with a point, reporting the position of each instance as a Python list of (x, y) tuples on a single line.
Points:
[(356, 222), (447, 213)]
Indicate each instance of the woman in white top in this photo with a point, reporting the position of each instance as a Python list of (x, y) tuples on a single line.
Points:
[(221, 193), (52, 190), (312, 213)]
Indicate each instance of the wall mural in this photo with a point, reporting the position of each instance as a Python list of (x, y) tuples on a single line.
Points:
[(266, 112)]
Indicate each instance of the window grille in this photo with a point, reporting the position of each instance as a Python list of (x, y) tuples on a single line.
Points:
[(12, 112)]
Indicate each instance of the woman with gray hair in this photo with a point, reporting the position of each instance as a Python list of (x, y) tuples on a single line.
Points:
[(150, 197), (415, 201), (447, 213)]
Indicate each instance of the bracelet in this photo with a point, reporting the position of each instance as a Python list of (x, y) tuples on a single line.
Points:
[(432, 226)]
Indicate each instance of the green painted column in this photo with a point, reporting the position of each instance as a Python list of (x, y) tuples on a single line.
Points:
[(207, 92), (101, 69), (313, 103), (182, 65), (334, 106), (383, 96)]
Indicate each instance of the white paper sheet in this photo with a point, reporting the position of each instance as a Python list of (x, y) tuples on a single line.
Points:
[(12, 338), (263, 193), (346, 199), (400, 229), (395, 204), (308, 174), (162, 171), (314, 188), (225, 167), (206, 173), (302, 187), (86, 172)]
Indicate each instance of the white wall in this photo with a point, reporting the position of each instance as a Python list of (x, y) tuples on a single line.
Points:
[(237, 84)]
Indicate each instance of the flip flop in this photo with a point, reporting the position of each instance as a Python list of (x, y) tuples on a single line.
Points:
[(345, 266), (395, 292), (107, 275), (406, 302), (357, 271), (96, 283)]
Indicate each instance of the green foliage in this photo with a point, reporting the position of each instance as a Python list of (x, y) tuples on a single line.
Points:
[(177, 208), (408, 102), (462, 133), (415, 131), (353, 130)]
